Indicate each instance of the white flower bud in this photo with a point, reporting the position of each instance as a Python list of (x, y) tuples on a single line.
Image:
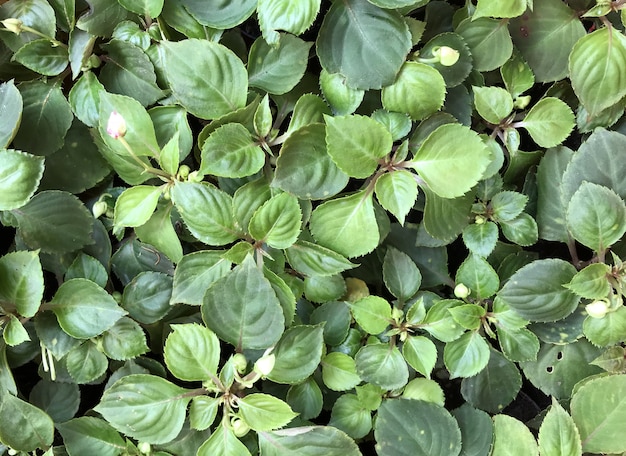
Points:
[(265, 364), (13, 25), (597, 309), (240, 427), (461, 291), (447, 55), (116, 126)]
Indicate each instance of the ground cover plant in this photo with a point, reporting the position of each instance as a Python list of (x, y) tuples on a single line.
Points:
[(302, 227)]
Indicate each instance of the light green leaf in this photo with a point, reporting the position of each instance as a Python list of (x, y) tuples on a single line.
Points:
[(20, 174), (451, 160), (14, 332), (86, 363), (298, 353), (596, 216), (382, 365), (421, 354), (10, 112), (306, 399), (350, 416), (136, 405), (522, 230), (307, 440), (135, 205), (84, 98), (478, 275), (159, 232), (263, 412), (507, 205), (507, 429), (424, 389), (230, 151), (517, 75), (206, 211), (488, 40), (339, 372), (192, 352), (354, 34), (253, 317), (558, 433), (84, 310), (467, 355), (549, 122), (481, 239), (495, 8), (313, 260), (148, 8), (207, 78), (591, 282), (195, 273), (372, 313), (598, 411), (202, 412), (468, 315), (439, 321), (418, 90), (397, 192), (87, 434), (356, 143), (309, 109), (147, 296), (223, 442), (493, 104), (518, 345), (277, 69), (170, 122), (598, 86), (304, 167), (124, 340), (344, 100), (220, 14), (263, 118), (424, 428), (293, 17), (606, 331), (24, 426), (43, 57), (401, 275), (335, 224), (277, 222)]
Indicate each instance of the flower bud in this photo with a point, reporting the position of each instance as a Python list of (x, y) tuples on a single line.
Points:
[(397, 314), (597, 309), (144, 447), (116, 126), (240, 427), (447, 55), (265, 364), (183, 172), (461, 291), (13, 24), (521, 102), (99, 208), (240, 362), (479, 220)]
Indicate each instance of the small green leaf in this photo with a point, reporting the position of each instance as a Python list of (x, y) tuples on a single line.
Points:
[(487, 8), (24, 426), (488, 40), (21, 283), (263, 118), (192, 352), (263, 412), (86, 363), (468, 315), (481, 239), (478, 275), (522, 230), (80, 48), (313, 260), (10, 112), (596, 216), (124, 340), (558, 433), (169, 157), (292, 17), (203, 411), (372, 313), (147, 296), (401, 275), (159, 232), (195, 273), (336, 318), (476, 430), (606, 331), (507, 205), (507, 429), (136, 405), (223, 442), (424, 389), (84, 310), (339, 372), (445, 218), (467, 355), (591, 282), (421, 354), (549, 122), (135, 205), (517, 75), (309, 109), (397, 192), (84, 98), (88, 433), (382, 365), (149, 8), (298, 354), (277, 222), (325, 440), (14, 332), (306, 399), (493, 104), (439, 321), (518, 345), (343, 100), (349, 416)]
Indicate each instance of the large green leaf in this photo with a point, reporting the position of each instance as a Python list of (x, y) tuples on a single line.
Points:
[(264, 412), (347, 225), (37, 14), (500, 8), (507, 429), (536, 291), (488, 40), (599, 86), (84, 309), (467, 355), (223, 442), (21, 283), (10, 112), (207, 78), (313, 260), (59, 400), (598, 411), (88, 434), (253, 317), (195, 273), (147, 297), (220, 14), (24, 426), (382, 365), (307, 441), (230, 151), (355, 34), (43, 57), (306, 399), (298, 354), (372, 313), (277, 222), (549, 122), (293, 17), (137, 404), (20, 174), (102, 18), (558, 433), (192, 352), (451, 160), (424, 428)]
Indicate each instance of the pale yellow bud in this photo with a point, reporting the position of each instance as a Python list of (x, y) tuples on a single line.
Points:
[(13, 25), (116, 126), (265, 364), (461, 291), (447, 55), (597, 309)]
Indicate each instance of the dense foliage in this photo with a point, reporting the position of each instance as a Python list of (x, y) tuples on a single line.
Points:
[(295, 227)]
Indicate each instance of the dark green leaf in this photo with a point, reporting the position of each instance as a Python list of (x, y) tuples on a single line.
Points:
[(382, 365), (35, 13), (87, 434), (84, 99), (298, 354), (401, 275), (124, 340), (21, 283), (24, 426), (349, 416), (59, 400), (102, 18), (445, 218), (313, 260), (476, 430), (306, 399), (86, 363), (344, 100), (219, 14), (43, 57), (195, 273), (147, 296), (10, 112)]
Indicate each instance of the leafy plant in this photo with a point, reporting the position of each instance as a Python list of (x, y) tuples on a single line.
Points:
[(302, 227)]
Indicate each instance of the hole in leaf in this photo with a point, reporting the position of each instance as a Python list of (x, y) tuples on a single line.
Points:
[(559, 355), (549, 369)]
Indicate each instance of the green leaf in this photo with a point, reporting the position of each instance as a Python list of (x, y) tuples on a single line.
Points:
[(518, 345), (591, 282), (495, 386), (467, 355), (451, 160), (192, 352), (55, 222), (206, 211), (382, 365), (220, 14), (88, 434), (424, 389), (24, 426), (86, 363), (52, 336), (298, 353), (43, 57), (230, 151), (481, 239), (293, 17), (494, 104), (507, 429), (354, 34), (207, 78), (47, 112), (335, 224), (130, 32), (517, 75), (598, 411), (125, 340), (277, 222), (397, 192), (253, 317), (14, 332), (536, 290), (324, 288), (223, 442), (263, 118), (203, 411), (487, 8), (558, 433), (598, 86), (522, 230), (313, 440), (507, 205), (343, 99), (84, 310), (545, 37), (337, 319), (468, 315), (488, 40), (277, 68), (35, 13), (309, 109), (263, 412), (421, 354), (304, 167), (20, 174), (311, 259), (609, 330), (84, 98), (170, 122), (401, 275), (439, 321), (424, 428), (596, 216), (135, 205), (418, 90), (372, 313), (453, 75), (136, 404), (149, 8), (339, 372), (147, 296), (102, 18), (195, 273), (80, 48), (549, 122), (11, 107), (356, 143), (59, 400), (476, 430), (349, 416), (159, 232), (21, 283), (478, 275), (306, 399)]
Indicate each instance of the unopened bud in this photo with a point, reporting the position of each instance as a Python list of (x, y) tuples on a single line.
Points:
[(240, 362), (240, 427), (13, 24), (116, 126), (597, 309), (447, 55), (521, 102), (99, 208), (479, 220), (144, 447), (461, 291), (265, 364), (183, 172)]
